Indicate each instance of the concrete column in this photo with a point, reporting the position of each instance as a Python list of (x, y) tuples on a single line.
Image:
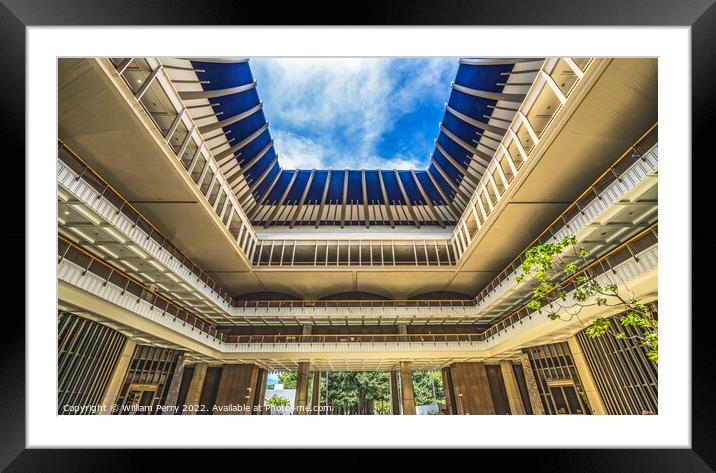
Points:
[(394, 394), (316, 395), (193, 394), (260, 392), (301, 400), (472, 388), (449, 393), (532, 389), (512, 389), (596, 403), (117, 379), (236, 386), (406, 381), (173, 391)]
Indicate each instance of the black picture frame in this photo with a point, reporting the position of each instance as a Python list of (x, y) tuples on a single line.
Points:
[(17, 15)]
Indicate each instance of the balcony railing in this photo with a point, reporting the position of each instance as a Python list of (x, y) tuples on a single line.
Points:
[(634, 154), (67, 250), (603, 266), (106, 191)]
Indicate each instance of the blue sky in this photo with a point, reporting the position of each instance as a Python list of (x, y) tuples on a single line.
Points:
[(354, 112)]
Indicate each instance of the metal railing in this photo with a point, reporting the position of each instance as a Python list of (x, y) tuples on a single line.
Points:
[(67, 250), (106, 191), (603, 265), (613, 173)]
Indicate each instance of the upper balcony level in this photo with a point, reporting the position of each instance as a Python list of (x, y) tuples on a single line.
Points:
[(622, 201), (87, 282), (148, 142)]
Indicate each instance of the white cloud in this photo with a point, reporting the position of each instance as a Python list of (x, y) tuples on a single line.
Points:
[(300, 152), (333, 112)]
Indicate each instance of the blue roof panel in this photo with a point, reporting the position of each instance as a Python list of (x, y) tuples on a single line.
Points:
[(482, 77), (263, 187), (355, 187), (444, 186), (248, 152), (428, 187), (316, 191), (243, 128), (457, 152), (335, 188), (445, 165), (375, 194), (462, 129), (294, 196), (474, 107), (280, 187), (223, 75), (256, 170), (392, 188), (235, 104), (411, 188)]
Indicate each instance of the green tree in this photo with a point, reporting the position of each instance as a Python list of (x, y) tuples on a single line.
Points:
[(277, 401), (423, 382), (288, 379), (358, 392), (549, 262)]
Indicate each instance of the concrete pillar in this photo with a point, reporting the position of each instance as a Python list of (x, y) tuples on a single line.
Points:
[(260, 392), (193, 394), (394, 394), (117, 379), (472, 388), (406, 381), (450, 406), (173, 391), (301, 400), (596, 403), (532, 389), (316, 395), (512, 389), (236, 386)]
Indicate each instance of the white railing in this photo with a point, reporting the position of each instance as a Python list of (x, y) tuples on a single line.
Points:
[(71, 182), (74, 275)]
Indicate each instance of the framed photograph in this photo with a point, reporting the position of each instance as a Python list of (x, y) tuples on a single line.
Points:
[(416, 227)]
